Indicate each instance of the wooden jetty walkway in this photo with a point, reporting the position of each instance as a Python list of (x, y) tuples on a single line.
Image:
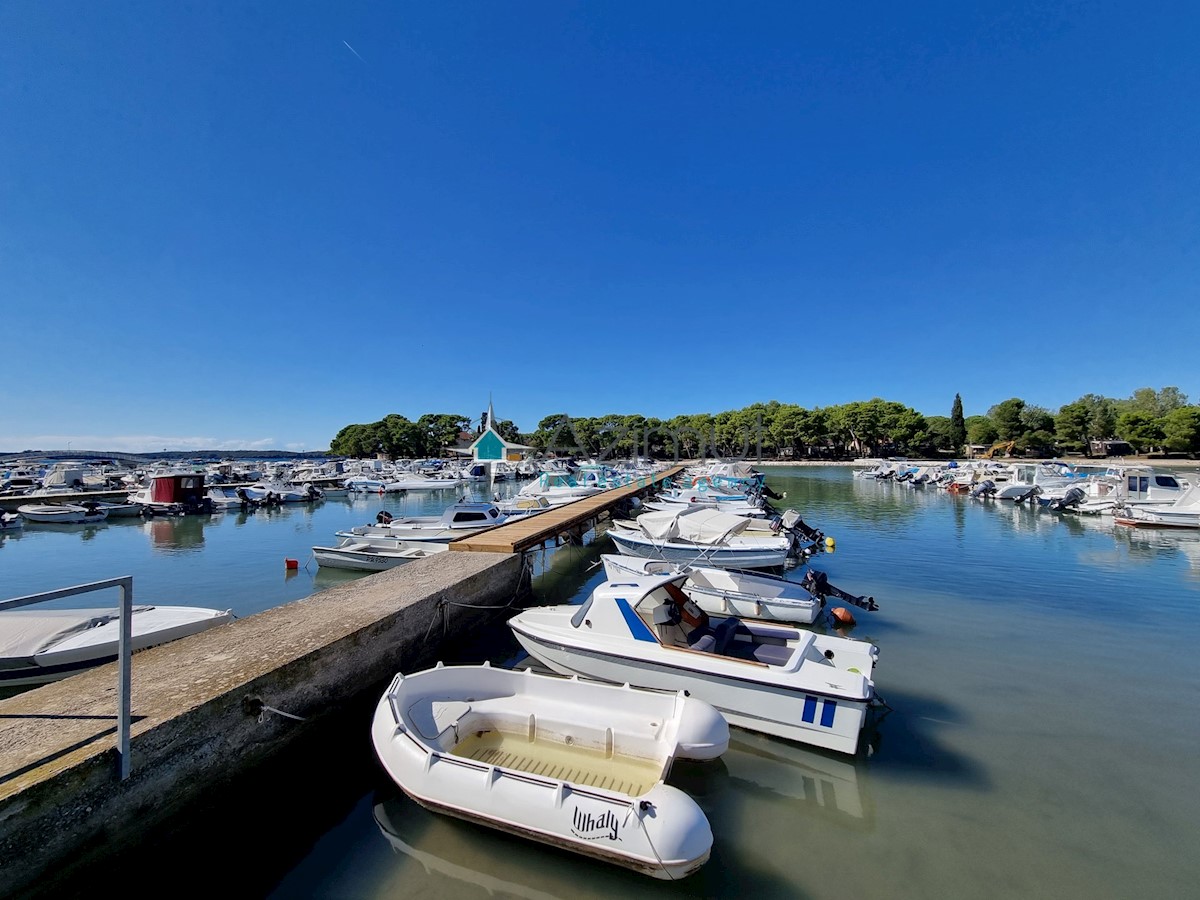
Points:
[(532, 531)]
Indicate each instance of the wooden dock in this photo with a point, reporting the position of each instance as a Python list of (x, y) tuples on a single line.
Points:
[(533, 531)]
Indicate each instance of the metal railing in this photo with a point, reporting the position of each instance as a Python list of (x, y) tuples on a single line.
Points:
[(124, 650)]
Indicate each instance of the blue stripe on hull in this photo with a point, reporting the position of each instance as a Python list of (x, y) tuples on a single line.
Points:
[(827, 713), (810, 709)]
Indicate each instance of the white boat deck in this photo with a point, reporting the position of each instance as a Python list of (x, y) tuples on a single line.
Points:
[(561, 761)]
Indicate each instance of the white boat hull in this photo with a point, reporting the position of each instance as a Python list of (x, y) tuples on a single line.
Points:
[(366, 557), (808, 718), (735, 554), (44, 646), (559, 761), (726, 592), (65, 514)]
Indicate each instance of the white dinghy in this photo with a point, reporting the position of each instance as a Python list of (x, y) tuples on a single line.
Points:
[(762, 676), (62, 513), (726, 592), (575, 764), (375, 554)]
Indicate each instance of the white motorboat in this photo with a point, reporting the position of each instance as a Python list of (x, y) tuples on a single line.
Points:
[(778, 680), (225, 498), (407, 481), (374, 555), (270, 492), (1184, 512), (39, 646), (62, 513), (1116, 489), (701, 536), (458, 520), (173, 493), (733, 592), (11, 521), (575, 764), (518, 507), (117, 510), (559, 488)]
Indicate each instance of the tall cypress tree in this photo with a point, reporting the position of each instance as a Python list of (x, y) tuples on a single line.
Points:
[(958, 425)]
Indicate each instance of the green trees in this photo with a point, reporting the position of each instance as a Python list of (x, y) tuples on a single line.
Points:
[(1141, 430), (958, 426), (1148, 419), (442, 429), (1006, 417), (1181, 429), (981, 430), (399, 438)]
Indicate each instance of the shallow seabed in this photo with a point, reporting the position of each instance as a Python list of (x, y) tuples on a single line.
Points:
[(1041, 669)]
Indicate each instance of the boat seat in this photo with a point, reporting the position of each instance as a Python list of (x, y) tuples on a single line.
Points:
[(707, 643), (724, 634)]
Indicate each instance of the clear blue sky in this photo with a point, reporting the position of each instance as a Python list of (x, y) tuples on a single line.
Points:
[(248, 224)]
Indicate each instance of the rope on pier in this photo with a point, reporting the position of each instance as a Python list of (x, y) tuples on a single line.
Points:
[(254, 706), (440, 607)]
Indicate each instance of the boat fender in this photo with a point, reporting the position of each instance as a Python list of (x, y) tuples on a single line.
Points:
[(842, 616)]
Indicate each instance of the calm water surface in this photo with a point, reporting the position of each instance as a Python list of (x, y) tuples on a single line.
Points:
[(1042, 671)]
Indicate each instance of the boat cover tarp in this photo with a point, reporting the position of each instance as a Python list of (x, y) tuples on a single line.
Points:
[(700, 526), (24, 633)]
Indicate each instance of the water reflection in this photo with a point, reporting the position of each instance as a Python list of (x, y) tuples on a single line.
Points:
[(176, 534), (1161, 543)]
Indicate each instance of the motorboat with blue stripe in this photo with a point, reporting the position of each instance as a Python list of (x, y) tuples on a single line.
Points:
[(767, 677)]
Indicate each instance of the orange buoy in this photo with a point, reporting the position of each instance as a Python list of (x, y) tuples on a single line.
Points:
[(842, 616), (292, 563)]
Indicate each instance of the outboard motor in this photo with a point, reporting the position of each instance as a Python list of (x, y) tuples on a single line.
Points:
[(1028, 495), (805, 539), (985, 490), (1070, 500), (817, 584)]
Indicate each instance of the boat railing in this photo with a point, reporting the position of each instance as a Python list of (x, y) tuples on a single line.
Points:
[(124, 649)]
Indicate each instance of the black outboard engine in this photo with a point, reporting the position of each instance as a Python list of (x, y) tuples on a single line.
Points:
[(817, 584), (1070, 500), (806, 540), (1028, 495), (770, 493), (985, 489)]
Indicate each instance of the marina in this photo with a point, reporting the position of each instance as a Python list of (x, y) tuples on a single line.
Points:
[(1008, 655)]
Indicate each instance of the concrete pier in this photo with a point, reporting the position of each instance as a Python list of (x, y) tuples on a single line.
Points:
[(203, 707)]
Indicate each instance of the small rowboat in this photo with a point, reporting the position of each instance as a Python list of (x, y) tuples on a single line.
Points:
[(576, 764), (374, 555), (61, 513)]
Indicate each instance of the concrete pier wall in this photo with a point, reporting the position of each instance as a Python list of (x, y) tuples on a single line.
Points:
[(198, 717)]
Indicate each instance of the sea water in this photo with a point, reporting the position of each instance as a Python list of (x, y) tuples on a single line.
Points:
[(1041, 670)]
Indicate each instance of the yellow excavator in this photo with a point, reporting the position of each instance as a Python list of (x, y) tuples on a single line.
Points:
[(1002, 447)]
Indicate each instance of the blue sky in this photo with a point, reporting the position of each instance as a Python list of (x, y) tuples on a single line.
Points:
[(249, 224)]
